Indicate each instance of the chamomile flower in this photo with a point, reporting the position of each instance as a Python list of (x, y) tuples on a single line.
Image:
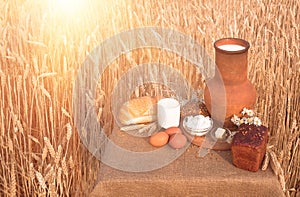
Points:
[(244, 111), (241, 121), (250, 120), (237, 123), (257, 121), (234, 118), (250, 112), (245, 120)]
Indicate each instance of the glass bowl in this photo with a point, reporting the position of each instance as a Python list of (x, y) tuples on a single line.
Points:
[(196, 131)]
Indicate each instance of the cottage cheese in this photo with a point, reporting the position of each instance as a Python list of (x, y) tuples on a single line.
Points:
[(198, 123)]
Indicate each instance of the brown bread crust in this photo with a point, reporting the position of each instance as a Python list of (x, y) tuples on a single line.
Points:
[(249, 146)]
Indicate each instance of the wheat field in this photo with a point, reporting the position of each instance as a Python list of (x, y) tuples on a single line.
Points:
[(43, 43)]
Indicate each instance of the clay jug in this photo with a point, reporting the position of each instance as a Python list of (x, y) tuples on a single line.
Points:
[(231, 57)]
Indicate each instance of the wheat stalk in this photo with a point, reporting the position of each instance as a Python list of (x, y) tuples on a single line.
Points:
[(41, 180), (44, 153), (71, 163), (49, 147), (64, 166), (49, 173), (69, 132), (59, 179), (58, 155), (52, 188), (266, 161), (31, 171), (13, 183)]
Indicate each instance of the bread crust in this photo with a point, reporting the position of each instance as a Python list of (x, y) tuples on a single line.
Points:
[(249, 146), (138, 110)]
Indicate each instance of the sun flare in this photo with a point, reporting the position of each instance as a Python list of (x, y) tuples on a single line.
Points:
[(68, 7)]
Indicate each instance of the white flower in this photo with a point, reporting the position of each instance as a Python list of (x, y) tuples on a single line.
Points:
[(237, 123), (257, 121), (250, 112), (244, 111), (234, 118), (241, 121), (250, 120), (245, 120)]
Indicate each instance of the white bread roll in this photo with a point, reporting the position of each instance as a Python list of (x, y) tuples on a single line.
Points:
[(138, 110)]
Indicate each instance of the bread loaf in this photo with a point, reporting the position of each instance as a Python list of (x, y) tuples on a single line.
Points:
[(249, 146), (138, 110)]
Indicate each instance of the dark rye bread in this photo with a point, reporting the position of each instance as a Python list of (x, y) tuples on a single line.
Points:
[(249, 146)]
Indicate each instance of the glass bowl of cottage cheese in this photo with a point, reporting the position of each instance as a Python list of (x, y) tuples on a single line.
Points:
[(197, 125)]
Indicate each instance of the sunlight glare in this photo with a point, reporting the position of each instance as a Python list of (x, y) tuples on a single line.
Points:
[(69, 6)]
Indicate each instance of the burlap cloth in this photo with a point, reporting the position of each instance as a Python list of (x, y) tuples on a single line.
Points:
[(212, 175)]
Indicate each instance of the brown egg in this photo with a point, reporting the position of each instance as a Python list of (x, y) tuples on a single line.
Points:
[(177, 141), (172, 130), (159, 139)]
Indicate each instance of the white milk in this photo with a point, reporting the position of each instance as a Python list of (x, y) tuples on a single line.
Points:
[(231, 47), (168, 113)]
